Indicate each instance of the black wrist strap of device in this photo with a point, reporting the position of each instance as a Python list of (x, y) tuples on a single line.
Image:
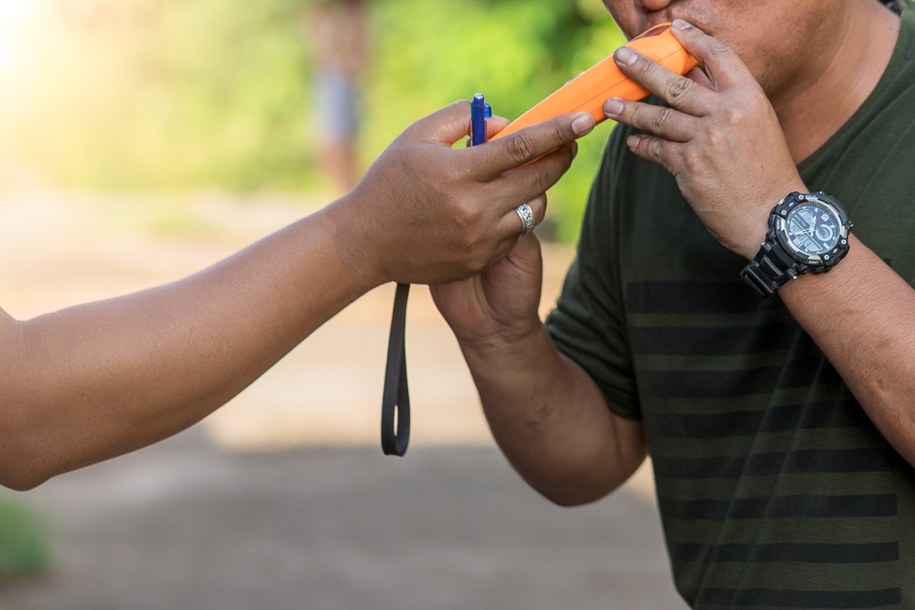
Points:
[(395, 399), (770, 268)]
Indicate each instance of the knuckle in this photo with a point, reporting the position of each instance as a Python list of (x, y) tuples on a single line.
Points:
[(734, 117), (558, 132), (716, 137), (678, 88), (520, 148), (759, 103), (691, 161), (539, 206), (636, 113), (474, 252), (467, 216), (543, 179), (663, 118), (479, 262), (644, 67), (719, 48)]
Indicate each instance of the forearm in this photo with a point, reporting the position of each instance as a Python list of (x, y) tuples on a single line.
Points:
[(101, 379), (551, 421), (862, 315)]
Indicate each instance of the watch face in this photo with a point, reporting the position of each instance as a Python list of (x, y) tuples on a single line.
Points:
[(813, 229)]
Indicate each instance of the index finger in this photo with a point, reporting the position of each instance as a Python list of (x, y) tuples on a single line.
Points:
[(532, 142), (722, 65), (676, 90)]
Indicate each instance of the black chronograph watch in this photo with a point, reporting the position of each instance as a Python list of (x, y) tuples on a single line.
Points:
[(807, 232)]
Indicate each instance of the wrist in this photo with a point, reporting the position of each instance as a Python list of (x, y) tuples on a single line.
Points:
[(510, 373), (356, 241), (755, 226), (807, 232), (514, 343), (755, 235)]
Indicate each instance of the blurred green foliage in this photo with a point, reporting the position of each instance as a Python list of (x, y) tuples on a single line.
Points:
[(513, 51), (24, 541), (189, 94)]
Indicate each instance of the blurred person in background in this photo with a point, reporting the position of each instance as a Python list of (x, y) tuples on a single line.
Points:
[(100, 379), (337, 32)]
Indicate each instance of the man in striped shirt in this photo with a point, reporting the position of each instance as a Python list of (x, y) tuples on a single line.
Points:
[(781, 430)]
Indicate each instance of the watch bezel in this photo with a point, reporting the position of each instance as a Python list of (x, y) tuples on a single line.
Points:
[(815, 262)]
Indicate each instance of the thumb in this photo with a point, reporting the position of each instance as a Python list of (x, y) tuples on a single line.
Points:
[(445, 126)]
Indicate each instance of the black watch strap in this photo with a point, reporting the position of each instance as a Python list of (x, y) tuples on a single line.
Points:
[(770, 268)]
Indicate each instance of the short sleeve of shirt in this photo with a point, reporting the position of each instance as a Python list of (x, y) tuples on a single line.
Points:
[(587, 324)]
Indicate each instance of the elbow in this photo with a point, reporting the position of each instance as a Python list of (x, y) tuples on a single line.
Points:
[(19, 470), (571, 499), (23, 484), (570, 491), (585, 484), (20, 479)]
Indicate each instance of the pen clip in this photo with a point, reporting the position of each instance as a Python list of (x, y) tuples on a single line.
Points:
[(479, 112)]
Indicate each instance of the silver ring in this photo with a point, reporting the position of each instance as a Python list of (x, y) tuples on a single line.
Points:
[(526, 214)]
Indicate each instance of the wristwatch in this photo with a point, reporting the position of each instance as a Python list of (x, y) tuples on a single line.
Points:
[(807, 232)]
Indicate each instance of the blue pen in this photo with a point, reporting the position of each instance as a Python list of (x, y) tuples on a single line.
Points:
[(479, 112)]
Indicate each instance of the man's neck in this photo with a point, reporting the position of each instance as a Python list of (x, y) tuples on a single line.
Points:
[(815, 109)]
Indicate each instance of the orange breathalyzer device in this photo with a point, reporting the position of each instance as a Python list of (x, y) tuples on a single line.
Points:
[(589, 90)]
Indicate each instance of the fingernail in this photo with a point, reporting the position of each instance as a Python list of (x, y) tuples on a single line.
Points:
[(625, 56), (613, 107), (682, 25), (633, 141), (582, 124)]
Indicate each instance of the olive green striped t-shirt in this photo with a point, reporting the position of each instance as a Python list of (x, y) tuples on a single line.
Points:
[(775, 489)]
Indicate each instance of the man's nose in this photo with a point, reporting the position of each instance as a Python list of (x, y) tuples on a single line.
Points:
[(654, 5)]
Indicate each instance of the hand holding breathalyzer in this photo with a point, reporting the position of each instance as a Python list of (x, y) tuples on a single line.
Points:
[(459, 203), (708, 135), (589, 90)]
